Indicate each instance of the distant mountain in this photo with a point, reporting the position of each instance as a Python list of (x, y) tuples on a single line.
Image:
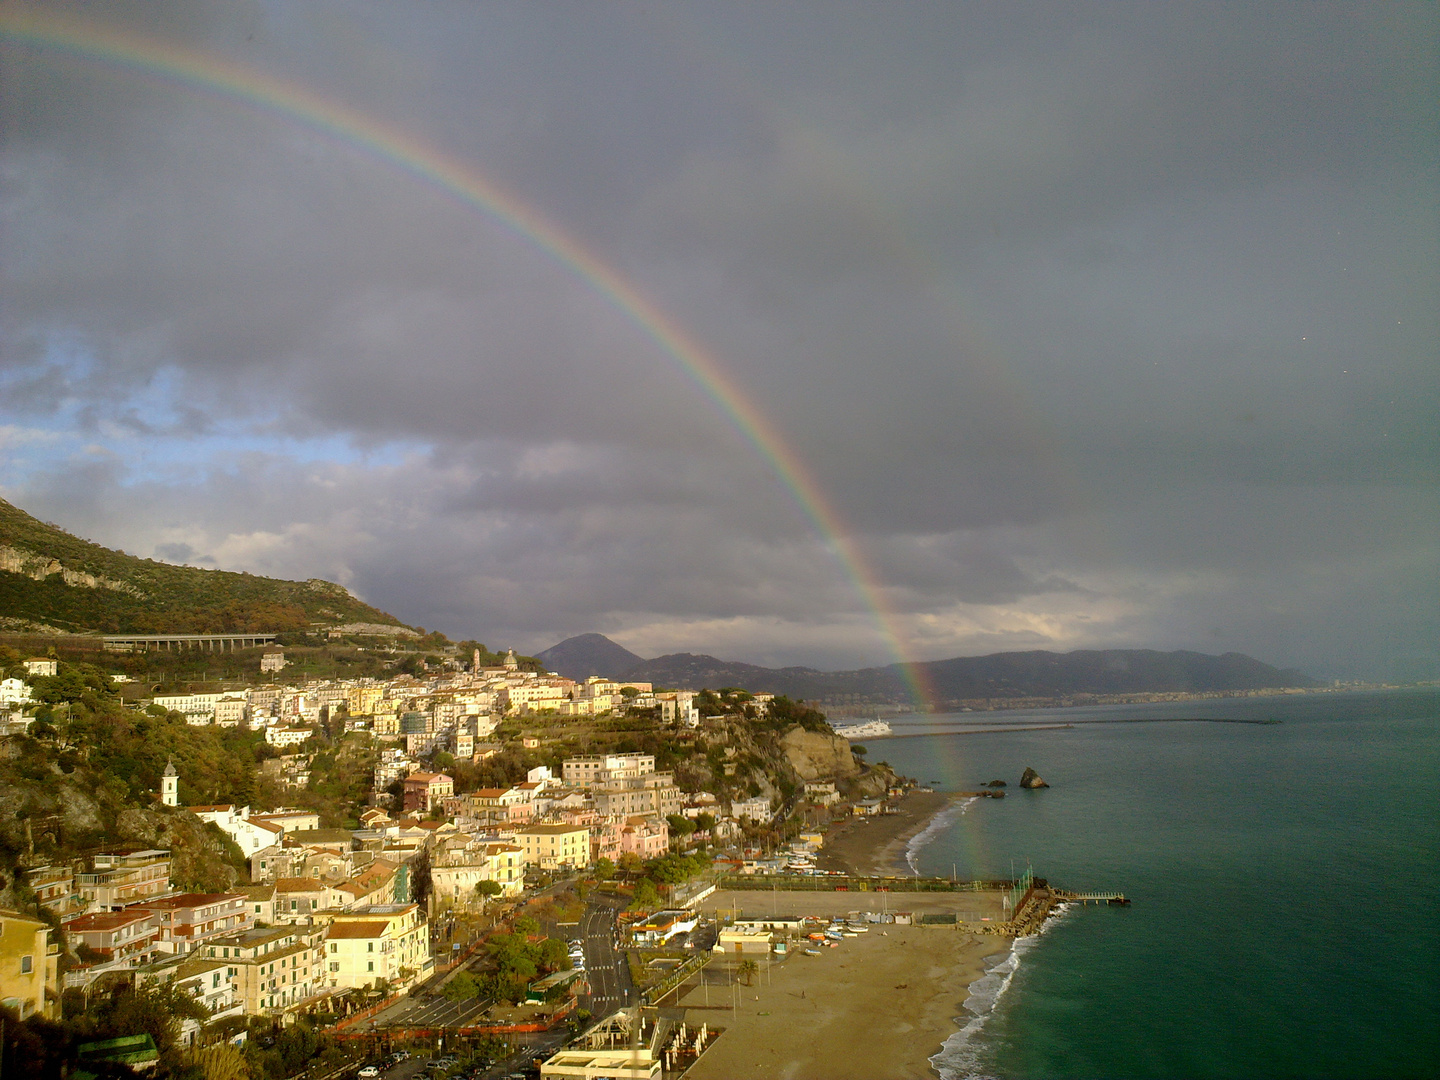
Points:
[(51, 580), (1001, 675), (588, 654)]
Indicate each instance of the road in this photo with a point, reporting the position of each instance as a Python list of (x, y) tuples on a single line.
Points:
[(606, 968), (432, 1012)]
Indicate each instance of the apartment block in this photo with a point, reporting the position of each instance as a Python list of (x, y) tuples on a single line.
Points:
[(383, 943), (553, 846), (124, 877), (271, 970)]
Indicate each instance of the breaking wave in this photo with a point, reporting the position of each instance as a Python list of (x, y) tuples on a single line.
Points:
[(938, 824)]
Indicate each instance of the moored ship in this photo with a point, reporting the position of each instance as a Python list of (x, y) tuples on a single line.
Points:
[(871, 729)]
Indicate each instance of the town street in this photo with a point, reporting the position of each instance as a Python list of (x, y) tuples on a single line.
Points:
[(606, 968)]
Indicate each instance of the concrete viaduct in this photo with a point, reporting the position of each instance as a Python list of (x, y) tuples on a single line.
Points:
[(208, 642)]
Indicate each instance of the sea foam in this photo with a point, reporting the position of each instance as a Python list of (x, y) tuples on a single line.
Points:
[(959, 1057), (938, 824)]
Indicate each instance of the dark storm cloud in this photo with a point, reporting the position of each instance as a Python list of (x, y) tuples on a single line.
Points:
[(1097, 324)]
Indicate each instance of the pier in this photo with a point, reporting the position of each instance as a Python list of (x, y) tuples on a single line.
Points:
[(1090, 897)]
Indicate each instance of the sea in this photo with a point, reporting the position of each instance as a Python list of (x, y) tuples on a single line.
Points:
[(1284, 881)]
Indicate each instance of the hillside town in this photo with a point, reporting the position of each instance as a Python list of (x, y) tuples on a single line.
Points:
[(323, 922)]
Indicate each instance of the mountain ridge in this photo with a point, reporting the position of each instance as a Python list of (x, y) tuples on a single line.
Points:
[(1036, 673)]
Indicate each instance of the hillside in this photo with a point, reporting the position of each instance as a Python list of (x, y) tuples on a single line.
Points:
[(1002, 675), (51, 579), (588, 654)]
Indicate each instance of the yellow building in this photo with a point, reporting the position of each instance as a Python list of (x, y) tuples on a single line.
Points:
[(271, 970), (553, 846), (455, 873), (382, 943), (29, 967)]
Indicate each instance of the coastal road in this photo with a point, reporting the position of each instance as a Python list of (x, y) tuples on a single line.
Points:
[(435, 1011), (606, 968)]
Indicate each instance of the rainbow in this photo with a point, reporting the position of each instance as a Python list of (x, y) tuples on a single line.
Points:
[(174, 65)]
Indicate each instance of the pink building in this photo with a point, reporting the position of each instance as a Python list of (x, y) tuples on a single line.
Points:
[(647, 837)]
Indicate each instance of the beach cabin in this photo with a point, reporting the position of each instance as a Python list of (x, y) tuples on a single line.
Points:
[(743, 942), (784, 924)]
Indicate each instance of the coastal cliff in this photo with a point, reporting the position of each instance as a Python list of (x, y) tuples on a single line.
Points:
[(816, 755)]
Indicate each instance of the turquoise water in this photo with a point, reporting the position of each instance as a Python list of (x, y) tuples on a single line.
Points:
[(1284, 878)]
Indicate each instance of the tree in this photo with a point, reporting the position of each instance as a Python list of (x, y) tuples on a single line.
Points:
[(488, 889), (420, 878), (462, 988), (222, 1062), (604, 868), (646, 895), (704, 822), (748, 970)]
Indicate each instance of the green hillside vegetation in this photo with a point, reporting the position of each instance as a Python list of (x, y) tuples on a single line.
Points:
[(87, 774), (135, 595)]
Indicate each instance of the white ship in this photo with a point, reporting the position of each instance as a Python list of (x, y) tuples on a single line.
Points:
[(871, 729)]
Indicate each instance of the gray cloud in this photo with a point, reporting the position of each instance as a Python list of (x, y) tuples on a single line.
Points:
[(1106, 325)]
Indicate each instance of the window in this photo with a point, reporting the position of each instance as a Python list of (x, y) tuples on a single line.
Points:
[(27, 965), (370, 966), (334, 966), (370, 946)]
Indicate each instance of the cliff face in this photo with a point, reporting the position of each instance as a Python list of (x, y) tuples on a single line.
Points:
[(815, 755)]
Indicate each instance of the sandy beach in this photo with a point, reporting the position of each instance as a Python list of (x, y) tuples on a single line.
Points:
[(878, 1006), (876, 845)]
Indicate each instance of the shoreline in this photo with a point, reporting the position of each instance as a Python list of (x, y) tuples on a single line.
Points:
[(875, 847), (883, 1004)]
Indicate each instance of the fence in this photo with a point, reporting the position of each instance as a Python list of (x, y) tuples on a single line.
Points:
[(814, 883), (675, 978)]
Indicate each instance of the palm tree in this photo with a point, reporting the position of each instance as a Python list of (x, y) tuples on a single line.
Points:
[(748, 970)]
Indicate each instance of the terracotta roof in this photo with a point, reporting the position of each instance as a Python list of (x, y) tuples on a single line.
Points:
[(357, 929), (298, 884)]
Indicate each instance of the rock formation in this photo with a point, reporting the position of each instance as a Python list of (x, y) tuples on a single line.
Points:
[(1031, 779), (815, 755)]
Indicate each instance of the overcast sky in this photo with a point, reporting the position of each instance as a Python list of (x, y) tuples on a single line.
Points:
[(1101, 325)]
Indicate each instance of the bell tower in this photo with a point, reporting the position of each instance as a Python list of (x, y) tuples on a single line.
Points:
[(170, 785)]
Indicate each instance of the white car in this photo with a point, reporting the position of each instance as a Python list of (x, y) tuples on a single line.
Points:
[(369, 1072)]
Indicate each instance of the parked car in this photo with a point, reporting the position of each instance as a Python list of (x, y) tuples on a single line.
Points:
[(369, 1072)]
